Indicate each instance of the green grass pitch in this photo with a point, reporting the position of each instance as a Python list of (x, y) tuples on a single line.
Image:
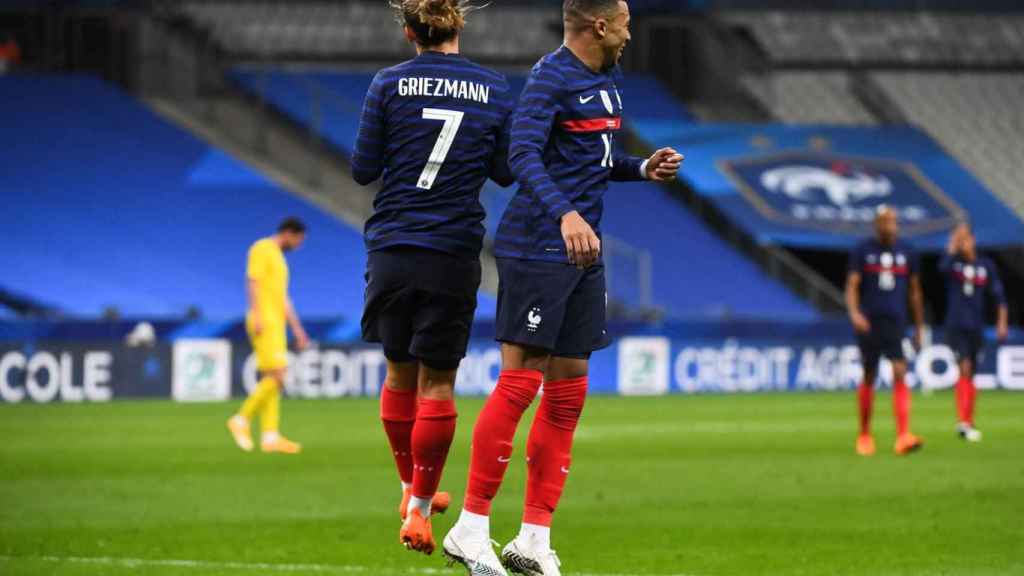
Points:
[(701, 486)]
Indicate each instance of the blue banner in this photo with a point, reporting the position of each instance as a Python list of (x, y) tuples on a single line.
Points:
[(819, 186)]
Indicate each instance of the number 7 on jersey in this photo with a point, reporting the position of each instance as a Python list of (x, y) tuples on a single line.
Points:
[(452, 121)]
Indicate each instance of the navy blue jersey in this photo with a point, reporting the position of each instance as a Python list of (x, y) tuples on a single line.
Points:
[(436, 127), (885, 273), (968, 284), (563, 154)]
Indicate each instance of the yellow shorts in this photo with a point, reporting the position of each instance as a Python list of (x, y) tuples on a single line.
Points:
[(270, 347)]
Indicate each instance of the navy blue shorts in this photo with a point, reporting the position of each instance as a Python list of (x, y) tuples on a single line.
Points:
[(420, 304), (966, 344), (884, 339), (552, 306)]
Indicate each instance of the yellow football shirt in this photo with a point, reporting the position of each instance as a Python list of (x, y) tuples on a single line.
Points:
[(269, 269)]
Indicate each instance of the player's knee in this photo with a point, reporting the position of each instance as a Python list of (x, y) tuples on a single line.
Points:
[(966, 369), (437, 380), (870, 376), (402, 376), (277, 376), (899, 371), (566, 368), (519, 357)]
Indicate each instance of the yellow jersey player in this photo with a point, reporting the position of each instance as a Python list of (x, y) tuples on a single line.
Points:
[(270, 313)]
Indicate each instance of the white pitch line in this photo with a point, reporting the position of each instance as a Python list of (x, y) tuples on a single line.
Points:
[(261, 566)]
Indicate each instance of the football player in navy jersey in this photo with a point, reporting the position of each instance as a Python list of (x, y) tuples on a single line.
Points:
[(882, 278), (435, 127), (972, 281), (551, 296)]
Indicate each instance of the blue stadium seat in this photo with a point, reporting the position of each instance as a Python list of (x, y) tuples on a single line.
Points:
[(107, 205), (695, 273)]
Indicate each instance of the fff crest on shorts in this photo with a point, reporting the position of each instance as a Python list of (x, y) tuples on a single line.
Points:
[(840, 193)]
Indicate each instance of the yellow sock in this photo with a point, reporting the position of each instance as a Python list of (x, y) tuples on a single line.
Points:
[(270, 413), (258, 398)]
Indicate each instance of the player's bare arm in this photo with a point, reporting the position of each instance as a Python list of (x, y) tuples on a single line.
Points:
[(859, 321), (1003, 323), (301, 338), (917, 309)]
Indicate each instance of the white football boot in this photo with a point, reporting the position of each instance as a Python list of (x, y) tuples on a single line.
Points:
[(474, 550), (526, 555), (968, 432)]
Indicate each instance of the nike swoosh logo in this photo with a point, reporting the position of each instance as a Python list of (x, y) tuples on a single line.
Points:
[(587, 99), (565, 470), (504, 460)]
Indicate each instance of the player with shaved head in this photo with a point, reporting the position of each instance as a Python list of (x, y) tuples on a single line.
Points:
[(883, 277)]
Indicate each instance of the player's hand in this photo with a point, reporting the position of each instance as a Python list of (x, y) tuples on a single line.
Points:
[(257, 325), (663, 165), (918, 338), (581, 244), (860, 323), (1002, 332), (301, 341)]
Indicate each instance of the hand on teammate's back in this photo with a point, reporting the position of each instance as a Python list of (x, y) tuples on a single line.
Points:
[(663, 165), (581, 244)]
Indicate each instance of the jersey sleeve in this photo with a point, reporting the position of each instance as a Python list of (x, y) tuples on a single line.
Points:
[(626, 168), (532, 121), (500, 171), (995, 285), (256, 268), (368, 157)]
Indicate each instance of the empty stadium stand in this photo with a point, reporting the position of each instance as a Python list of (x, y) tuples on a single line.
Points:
[(871, 38), (809, 97), (102, 184), (354, 29), (987, 138)]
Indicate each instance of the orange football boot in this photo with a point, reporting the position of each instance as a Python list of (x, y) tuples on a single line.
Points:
[(417, 534), (907, 443), (865, 445)]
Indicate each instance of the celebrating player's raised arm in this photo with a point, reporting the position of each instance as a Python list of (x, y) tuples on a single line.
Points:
[(368, 157)]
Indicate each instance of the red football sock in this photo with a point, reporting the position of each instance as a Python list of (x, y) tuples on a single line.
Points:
[(398, 413), (961, 399), (549, 448), (901, 406), (493, 434), (865, 401), (431, 438), (970, 394)]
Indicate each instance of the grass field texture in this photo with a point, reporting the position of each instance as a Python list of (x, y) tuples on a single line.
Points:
[(695, 486)]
